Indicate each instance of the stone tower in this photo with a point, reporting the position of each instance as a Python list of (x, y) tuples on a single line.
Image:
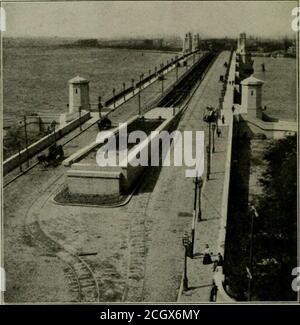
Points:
[(78, 94), (241, 48), (252, 96), (196, 42)]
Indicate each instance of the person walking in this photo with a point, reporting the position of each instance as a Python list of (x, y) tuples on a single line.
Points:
[(207, 257), (220, 260)]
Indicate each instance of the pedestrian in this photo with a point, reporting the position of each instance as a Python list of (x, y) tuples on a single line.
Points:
[(218, 132), (223, 119), (207, 258), (233, 108), (220, 260), (213, 293)]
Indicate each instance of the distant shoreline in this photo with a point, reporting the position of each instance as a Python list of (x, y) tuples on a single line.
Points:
[(175, 51)]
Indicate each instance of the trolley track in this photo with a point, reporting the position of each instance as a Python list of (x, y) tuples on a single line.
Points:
[(81, 278)]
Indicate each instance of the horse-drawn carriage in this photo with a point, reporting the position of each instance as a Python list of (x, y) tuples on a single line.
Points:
[(55, 152), (104, 124)]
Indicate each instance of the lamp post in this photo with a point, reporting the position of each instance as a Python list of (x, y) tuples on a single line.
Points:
[(124, 87), (139, 95), (26, 140), (132, 84), (200, 184), (162, 78), (186, 244), (208, 152), (99, 106), (19, 155), (197, 197), (210, 117), (253, 214), (114, 95), (213, 136)]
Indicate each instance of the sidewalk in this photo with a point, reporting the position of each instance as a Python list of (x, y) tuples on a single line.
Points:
[(200, 277)]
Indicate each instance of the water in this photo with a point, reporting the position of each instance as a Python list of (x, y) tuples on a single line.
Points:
[(279, 90), (36, 78)]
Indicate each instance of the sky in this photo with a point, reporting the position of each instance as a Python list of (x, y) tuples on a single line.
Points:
[(118, 19)]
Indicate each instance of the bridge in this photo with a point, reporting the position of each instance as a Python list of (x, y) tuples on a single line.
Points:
[(136, 248)]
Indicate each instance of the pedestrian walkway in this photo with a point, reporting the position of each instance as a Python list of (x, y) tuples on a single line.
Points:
[(200, 277)]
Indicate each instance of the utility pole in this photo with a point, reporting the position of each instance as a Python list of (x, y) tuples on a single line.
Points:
[(26, 140)]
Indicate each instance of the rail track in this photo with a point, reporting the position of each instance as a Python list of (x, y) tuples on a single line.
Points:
[(81, 278), (181, 91)]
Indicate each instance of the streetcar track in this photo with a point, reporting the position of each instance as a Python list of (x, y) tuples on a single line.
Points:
[(81, 278)]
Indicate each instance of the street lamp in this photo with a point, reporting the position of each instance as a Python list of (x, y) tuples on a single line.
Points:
[(210, 117), (253, 214), (19, 156), (213, 136), (26, 140), (114, 95), (124, 87), (200, 184), (162, 78), (99, 106), (139, 95), (186, 244)]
